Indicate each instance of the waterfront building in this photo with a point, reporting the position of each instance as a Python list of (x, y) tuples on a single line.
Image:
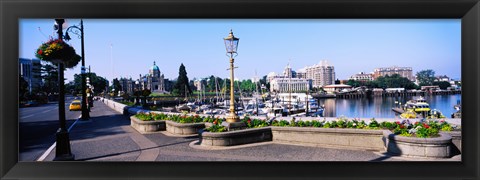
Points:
[(287, 81), (390, 90), (321, 74), (402, 71), (362, 76), (335, 88), (284, 85), (302, 73), (154, 80), (128, 85), (442, 78), (30, 70)]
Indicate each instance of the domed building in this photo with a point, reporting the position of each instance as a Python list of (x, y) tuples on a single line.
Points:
[(154, 80)]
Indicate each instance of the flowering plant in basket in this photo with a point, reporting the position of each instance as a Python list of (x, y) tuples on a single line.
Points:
[(55, 50)]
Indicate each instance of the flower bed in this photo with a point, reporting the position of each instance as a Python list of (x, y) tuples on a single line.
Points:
[(424, 129), (173, 123), (146, 125), (354, 134)]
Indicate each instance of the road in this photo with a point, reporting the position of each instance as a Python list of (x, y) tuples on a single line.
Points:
[(37, 128)]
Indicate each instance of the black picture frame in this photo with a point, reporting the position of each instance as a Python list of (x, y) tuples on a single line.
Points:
[(466, 10)]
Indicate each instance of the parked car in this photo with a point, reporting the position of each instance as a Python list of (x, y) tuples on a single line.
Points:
[(75, 105)]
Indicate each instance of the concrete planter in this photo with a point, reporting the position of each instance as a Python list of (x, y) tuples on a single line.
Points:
[(147, 126), (439, 147), (456, 140), (238, 137), (184, 128), (331, 137)]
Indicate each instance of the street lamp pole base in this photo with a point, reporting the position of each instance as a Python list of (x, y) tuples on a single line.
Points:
[(84, 118), (63, 151), (233, 118), (232, 126)]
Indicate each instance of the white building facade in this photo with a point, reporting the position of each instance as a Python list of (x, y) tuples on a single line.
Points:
[(402, 71), (321, 74), (288, 82), (362, 77), (284, 85)]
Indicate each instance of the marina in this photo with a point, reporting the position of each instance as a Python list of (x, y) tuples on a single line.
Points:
[(282, 105)]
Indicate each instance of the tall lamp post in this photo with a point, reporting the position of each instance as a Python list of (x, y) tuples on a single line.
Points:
[(79, 32), (63, 151), (231, 45)]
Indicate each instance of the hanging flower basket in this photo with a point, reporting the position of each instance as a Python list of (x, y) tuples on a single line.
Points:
[(57, 51)]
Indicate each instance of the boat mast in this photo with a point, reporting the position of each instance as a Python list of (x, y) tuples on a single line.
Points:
[(216, 88), (289, 88), (186, 98)]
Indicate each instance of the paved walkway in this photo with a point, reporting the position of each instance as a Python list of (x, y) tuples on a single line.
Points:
[(107, 136)]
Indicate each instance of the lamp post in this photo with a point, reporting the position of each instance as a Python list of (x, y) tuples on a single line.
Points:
[(63, 151), (79, 32), (137, 91), (231, 45)]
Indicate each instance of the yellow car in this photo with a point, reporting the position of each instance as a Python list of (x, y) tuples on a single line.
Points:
[(75, 105)]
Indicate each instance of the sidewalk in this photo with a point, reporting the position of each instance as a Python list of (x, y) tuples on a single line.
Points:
[(107, 136)]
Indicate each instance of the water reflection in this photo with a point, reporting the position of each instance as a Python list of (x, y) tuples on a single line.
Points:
[(381, 107)]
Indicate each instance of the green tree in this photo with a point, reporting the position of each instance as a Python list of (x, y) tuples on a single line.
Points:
[(182, 85), (442, 84), (426, 77), (247, 86), (99, 83), (354, 83), (394, 81), (116, 85), (49, 74)]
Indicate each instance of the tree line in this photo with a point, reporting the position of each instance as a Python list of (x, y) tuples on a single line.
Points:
[(424, 77)]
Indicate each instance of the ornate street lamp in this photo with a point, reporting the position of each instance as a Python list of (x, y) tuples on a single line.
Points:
[(63, 151), (231, 45), (79, 32)]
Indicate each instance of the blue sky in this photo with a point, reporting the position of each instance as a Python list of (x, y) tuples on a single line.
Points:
[(265, 46)]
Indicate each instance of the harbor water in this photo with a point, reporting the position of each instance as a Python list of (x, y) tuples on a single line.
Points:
[(381, 107)]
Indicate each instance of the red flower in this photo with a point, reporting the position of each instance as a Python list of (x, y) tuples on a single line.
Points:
[(426, 126), (248, 121), (402, 126), (215, 122), (40, 52), (398, 122)]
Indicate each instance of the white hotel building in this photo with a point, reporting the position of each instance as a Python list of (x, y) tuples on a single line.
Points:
[(321, 74), (288, 82)]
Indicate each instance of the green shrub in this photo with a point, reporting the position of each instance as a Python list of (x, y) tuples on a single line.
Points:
[(216, 128), (159, 116), (144, 116), (333, 124), (327, 125), (341, 123), (127, 103), (316, 123), (373, 124)]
